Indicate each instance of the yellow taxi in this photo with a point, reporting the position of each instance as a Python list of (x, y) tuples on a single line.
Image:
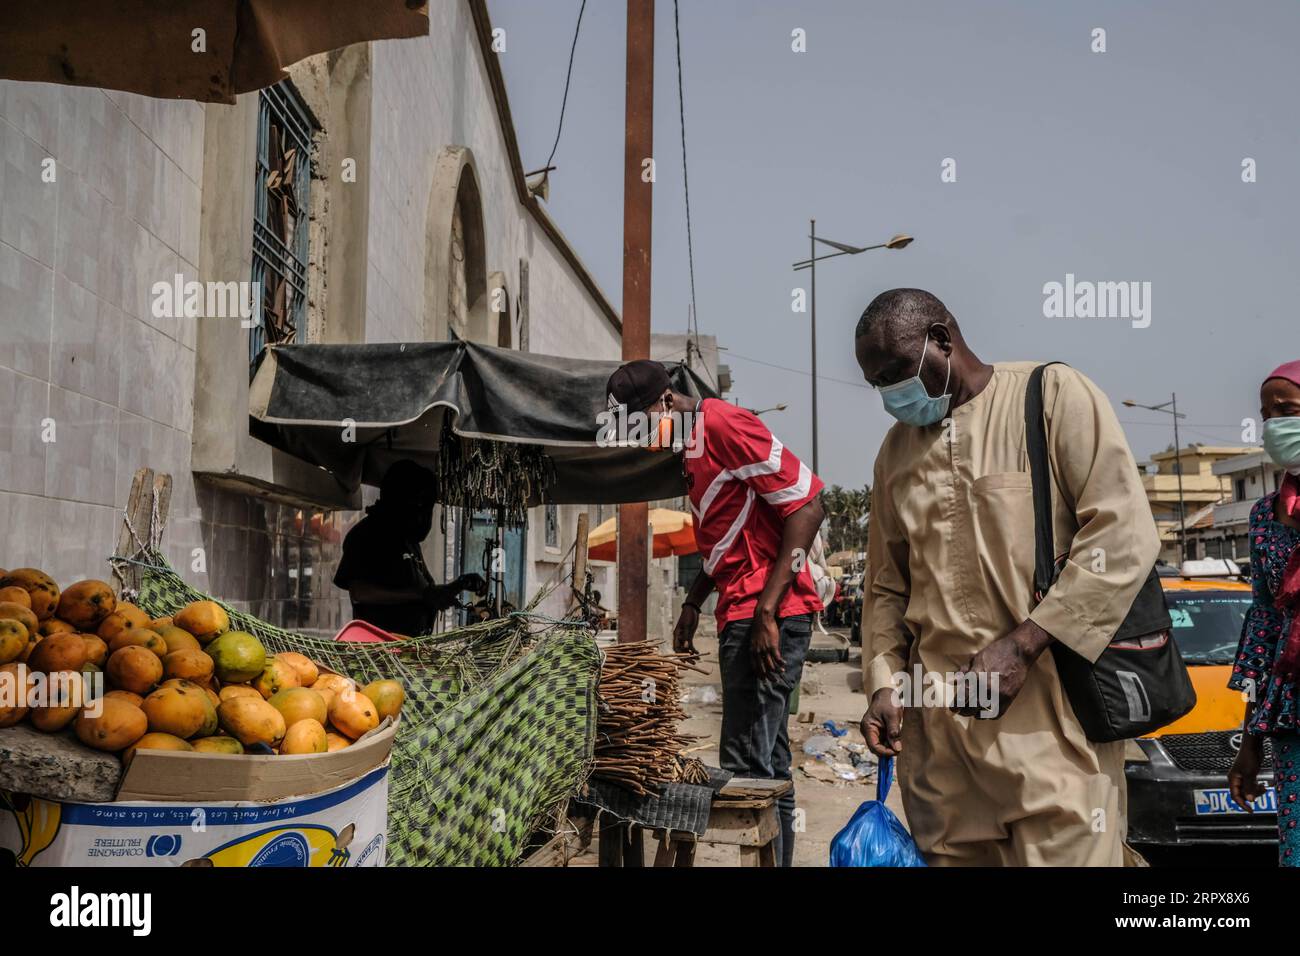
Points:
[(1178, 776)]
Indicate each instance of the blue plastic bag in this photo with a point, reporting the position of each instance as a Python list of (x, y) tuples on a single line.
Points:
[(874, 836)]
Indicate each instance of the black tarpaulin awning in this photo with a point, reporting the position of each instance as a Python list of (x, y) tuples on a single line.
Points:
[(390, 401), (205, 50)]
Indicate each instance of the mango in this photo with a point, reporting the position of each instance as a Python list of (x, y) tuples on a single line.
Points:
[(275, 677), (206, 620), (308, 672), (118, 725), (388, 697), (85, 604), (251, 720), (58, 652), (305, 737), (217, 745), (16, 686), (155, 741), (237, 656), (133, 668), (181, 709), (192, 665), (300, 703), (13, 640), (41, 590), (353, 713)]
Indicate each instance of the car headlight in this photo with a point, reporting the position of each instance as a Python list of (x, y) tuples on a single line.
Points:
[(1134, 750)]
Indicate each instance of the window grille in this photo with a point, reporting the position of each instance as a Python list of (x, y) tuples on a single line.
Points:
[(280, 216)]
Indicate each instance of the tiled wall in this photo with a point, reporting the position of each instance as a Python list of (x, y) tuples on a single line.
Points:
[(79, 345)]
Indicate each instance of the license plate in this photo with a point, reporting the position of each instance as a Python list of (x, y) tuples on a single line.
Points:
[(1220, 802)]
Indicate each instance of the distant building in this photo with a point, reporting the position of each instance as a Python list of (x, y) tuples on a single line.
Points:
[(1202, 486), (1249, 477), (702, 356)]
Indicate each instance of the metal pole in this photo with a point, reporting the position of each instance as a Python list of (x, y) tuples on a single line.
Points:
[(499, 563), (812, 243), (638, 146), (1178, 469)]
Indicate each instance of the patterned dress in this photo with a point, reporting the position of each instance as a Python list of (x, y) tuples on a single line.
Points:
[(1275, 711)]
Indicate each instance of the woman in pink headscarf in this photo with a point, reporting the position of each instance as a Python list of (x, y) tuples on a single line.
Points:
[(1268, 659)]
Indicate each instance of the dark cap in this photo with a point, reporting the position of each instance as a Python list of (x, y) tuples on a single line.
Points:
[(406, 480), (638, 385)]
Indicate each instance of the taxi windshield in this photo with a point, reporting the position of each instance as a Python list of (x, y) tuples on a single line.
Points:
[(1207, 624)]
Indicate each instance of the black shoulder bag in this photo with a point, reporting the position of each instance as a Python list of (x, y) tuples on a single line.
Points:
[(1140, 682)]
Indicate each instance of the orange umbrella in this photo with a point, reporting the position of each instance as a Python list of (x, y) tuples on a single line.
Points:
[(674, 533)]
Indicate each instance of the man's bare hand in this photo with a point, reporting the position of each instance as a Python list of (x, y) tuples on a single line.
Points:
[(1010, 658), (684, 632), (765, 647), (882, 724)]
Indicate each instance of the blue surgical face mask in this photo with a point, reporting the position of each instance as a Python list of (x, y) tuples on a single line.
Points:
[(910, 403), (1282, 442)]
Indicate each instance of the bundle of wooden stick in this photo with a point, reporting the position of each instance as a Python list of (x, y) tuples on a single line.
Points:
[(637, 742)]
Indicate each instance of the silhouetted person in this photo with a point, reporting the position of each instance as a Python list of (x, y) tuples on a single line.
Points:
[(383, 570)]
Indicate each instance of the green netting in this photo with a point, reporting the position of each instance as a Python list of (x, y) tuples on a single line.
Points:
[(497, 730)]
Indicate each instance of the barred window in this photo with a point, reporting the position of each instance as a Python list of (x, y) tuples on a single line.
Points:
[(284, 136), (552, 526)]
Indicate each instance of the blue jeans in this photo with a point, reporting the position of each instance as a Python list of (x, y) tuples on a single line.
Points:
[(755, 735)]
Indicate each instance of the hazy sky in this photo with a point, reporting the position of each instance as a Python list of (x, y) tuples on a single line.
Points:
[(1117, 166)]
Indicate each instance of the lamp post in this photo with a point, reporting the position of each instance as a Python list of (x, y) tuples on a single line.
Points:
[(897, 242), (1171, 408), (775, 408)]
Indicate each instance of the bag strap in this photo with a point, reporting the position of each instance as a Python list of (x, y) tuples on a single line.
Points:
[(1040, 472), (884, 777)]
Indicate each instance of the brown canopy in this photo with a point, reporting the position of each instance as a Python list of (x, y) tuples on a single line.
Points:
[(152, 46)]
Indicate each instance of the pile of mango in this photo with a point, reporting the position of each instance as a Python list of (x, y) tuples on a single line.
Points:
[(186, 682)]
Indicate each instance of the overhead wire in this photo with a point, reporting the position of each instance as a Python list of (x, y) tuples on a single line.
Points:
[(568, 77)]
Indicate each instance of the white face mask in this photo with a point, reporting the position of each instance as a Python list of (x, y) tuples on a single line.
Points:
[(911, 403), (1282, 442)]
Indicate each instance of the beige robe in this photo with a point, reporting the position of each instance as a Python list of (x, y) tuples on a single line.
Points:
[(951, 566)]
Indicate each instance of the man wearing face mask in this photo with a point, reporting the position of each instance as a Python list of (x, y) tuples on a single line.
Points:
[(1008, 778), (383, 569), (757, 509)]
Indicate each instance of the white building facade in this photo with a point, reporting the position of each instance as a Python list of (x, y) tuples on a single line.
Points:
[(376, 196)]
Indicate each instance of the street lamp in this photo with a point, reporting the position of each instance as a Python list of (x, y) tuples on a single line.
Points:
[(896, 242), (1171, 408), (775, 408)]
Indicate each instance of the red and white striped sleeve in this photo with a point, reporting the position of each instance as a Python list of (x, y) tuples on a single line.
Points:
[(746, 448)]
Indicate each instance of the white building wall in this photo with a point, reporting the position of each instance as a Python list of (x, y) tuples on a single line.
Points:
[(79, 344), (431, 93)]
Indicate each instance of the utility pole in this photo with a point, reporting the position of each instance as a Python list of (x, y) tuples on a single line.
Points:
[(899, 241), (638, 188), (1178, 467), (1171, 408), (812, 256)]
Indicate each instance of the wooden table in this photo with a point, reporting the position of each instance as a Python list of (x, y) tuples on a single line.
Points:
[(743, 814)]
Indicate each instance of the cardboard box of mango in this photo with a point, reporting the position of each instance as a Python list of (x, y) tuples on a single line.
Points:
[(78, 658)]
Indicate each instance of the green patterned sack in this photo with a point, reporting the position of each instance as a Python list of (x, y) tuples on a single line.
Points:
[(496, 733)]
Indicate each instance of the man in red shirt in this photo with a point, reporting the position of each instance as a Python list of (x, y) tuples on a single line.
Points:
[(757, 509)]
